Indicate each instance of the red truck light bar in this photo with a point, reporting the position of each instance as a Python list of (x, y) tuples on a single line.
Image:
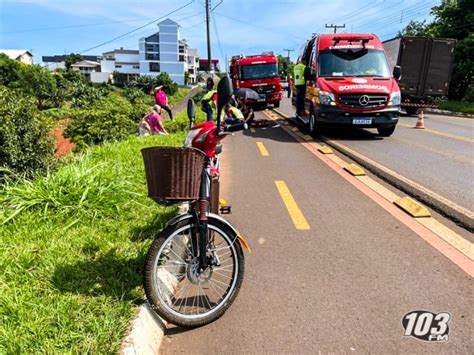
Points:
[(363, 39)]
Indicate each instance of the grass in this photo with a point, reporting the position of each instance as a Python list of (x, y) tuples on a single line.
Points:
[(178, 96), (72, 246), (457, 106)]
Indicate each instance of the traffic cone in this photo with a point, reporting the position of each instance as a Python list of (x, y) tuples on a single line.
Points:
[(420, 124)]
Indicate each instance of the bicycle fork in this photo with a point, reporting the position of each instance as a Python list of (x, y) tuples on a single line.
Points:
[(201, 218)]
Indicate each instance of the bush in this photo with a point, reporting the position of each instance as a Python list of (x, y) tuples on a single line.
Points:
[(110, 119), (133, 94), (9, 70), (85, 95), (39, 82), (25, 144), (147, 83), (169, 85)]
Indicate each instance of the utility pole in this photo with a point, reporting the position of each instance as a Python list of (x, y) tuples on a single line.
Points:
[(208, 15), (288, 56), (335, 27)]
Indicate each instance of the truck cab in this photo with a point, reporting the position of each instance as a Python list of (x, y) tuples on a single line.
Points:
[(349, 83), (259, 73)]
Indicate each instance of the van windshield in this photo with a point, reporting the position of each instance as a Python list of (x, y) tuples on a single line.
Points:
[(259, 71), (349, 62)]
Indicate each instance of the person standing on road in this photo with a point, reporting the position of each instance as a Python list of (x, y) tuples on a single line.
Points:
[(300, 84), (161, 99), (290, 86)]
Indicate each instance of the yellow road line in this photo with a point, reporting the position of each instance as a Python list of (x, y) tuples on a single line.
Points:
[(290, 203), (262, 149), (444, 134)]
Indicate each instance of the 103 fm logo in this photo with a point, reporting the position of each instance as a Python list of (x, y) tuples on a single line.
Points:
[(427, 326)]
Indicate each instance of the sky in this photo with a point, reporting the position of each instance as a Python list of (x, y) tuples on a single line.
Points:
[(49, 27)]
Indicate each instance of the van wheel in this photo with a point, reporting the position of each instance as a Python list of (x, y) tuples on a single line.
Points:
[(312, 122), (386, 131)]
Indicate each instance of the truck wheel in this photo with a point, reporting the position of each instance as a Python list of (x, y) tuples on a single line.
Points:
[(276, 104), (411, 111), (386, 131)]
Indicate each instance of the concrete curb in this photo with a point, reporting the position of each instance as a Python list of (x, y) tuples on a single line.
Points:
[(147, 329), (447, 208), (146, 333)]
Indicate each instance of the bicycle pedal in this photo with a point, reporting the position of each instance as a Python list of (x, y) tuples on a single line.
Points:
[(226, 209)]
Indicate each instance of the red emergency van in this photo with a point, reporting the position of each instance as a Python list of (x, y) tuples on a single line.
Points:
[(349, 83)]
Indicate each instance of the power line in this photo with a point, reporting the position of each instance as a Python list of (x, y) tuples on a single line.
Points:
[(217, 35), (72, 26), (138, 28), (254, 25), (383, 20), (393, 20)]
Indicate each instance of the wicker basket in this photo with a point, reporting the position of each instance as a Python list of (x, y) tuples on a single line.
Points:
[(173, 174)]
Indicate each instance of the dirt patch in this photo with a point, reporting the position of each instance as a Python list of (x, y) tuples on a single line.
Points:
[(63, 145)]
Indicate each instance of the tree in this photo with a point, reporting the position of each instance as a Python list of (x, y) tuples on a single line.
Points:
[(186, 78), (285, 66), (9, 70), (168, 84), (72, 59), (39, 82), (26, 147), (414, 28)]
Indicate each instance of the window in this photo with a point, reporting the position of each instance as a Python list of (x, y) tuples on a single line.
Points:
[(181, 58), (154, 67), (259, 71), (136, 67), (152, 48), (151, 56), (118, 66), (349, 62), (181, 49)]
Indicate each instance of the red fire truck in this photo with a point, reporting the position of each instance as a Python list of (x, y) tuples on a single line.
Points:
[(260, 73), (349, 83)]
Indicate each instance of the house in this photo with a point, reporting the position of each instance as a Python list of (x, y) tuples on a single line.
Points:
[(59, 61), (123, 61), (86, 68), (192, 65), (161, 52), (164, 51), (21, 55)]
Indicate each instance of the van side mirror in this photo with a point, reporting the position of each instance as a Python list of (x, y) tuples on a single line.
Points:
[(224, 93), (397, 72)]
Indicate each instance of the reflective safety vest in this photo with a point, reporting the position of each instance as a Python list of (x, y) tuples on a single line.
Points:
[(236, 113), (209, 98), (298, 72)]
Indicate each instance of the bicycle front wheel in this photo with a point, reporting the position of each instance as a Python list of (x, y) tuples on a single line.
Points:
[(175, 286)]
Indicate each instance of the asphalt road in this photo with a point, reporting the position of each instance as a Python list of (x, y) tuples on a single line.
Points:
[(441, 157), (343, 285)]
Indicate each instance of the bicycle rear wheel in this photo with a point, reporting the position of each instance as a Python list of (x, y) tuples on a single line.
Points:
[(175, 287)]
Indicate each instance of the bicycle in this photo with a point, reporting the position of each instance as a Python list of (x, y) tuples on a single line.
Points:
[(195, 267)]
